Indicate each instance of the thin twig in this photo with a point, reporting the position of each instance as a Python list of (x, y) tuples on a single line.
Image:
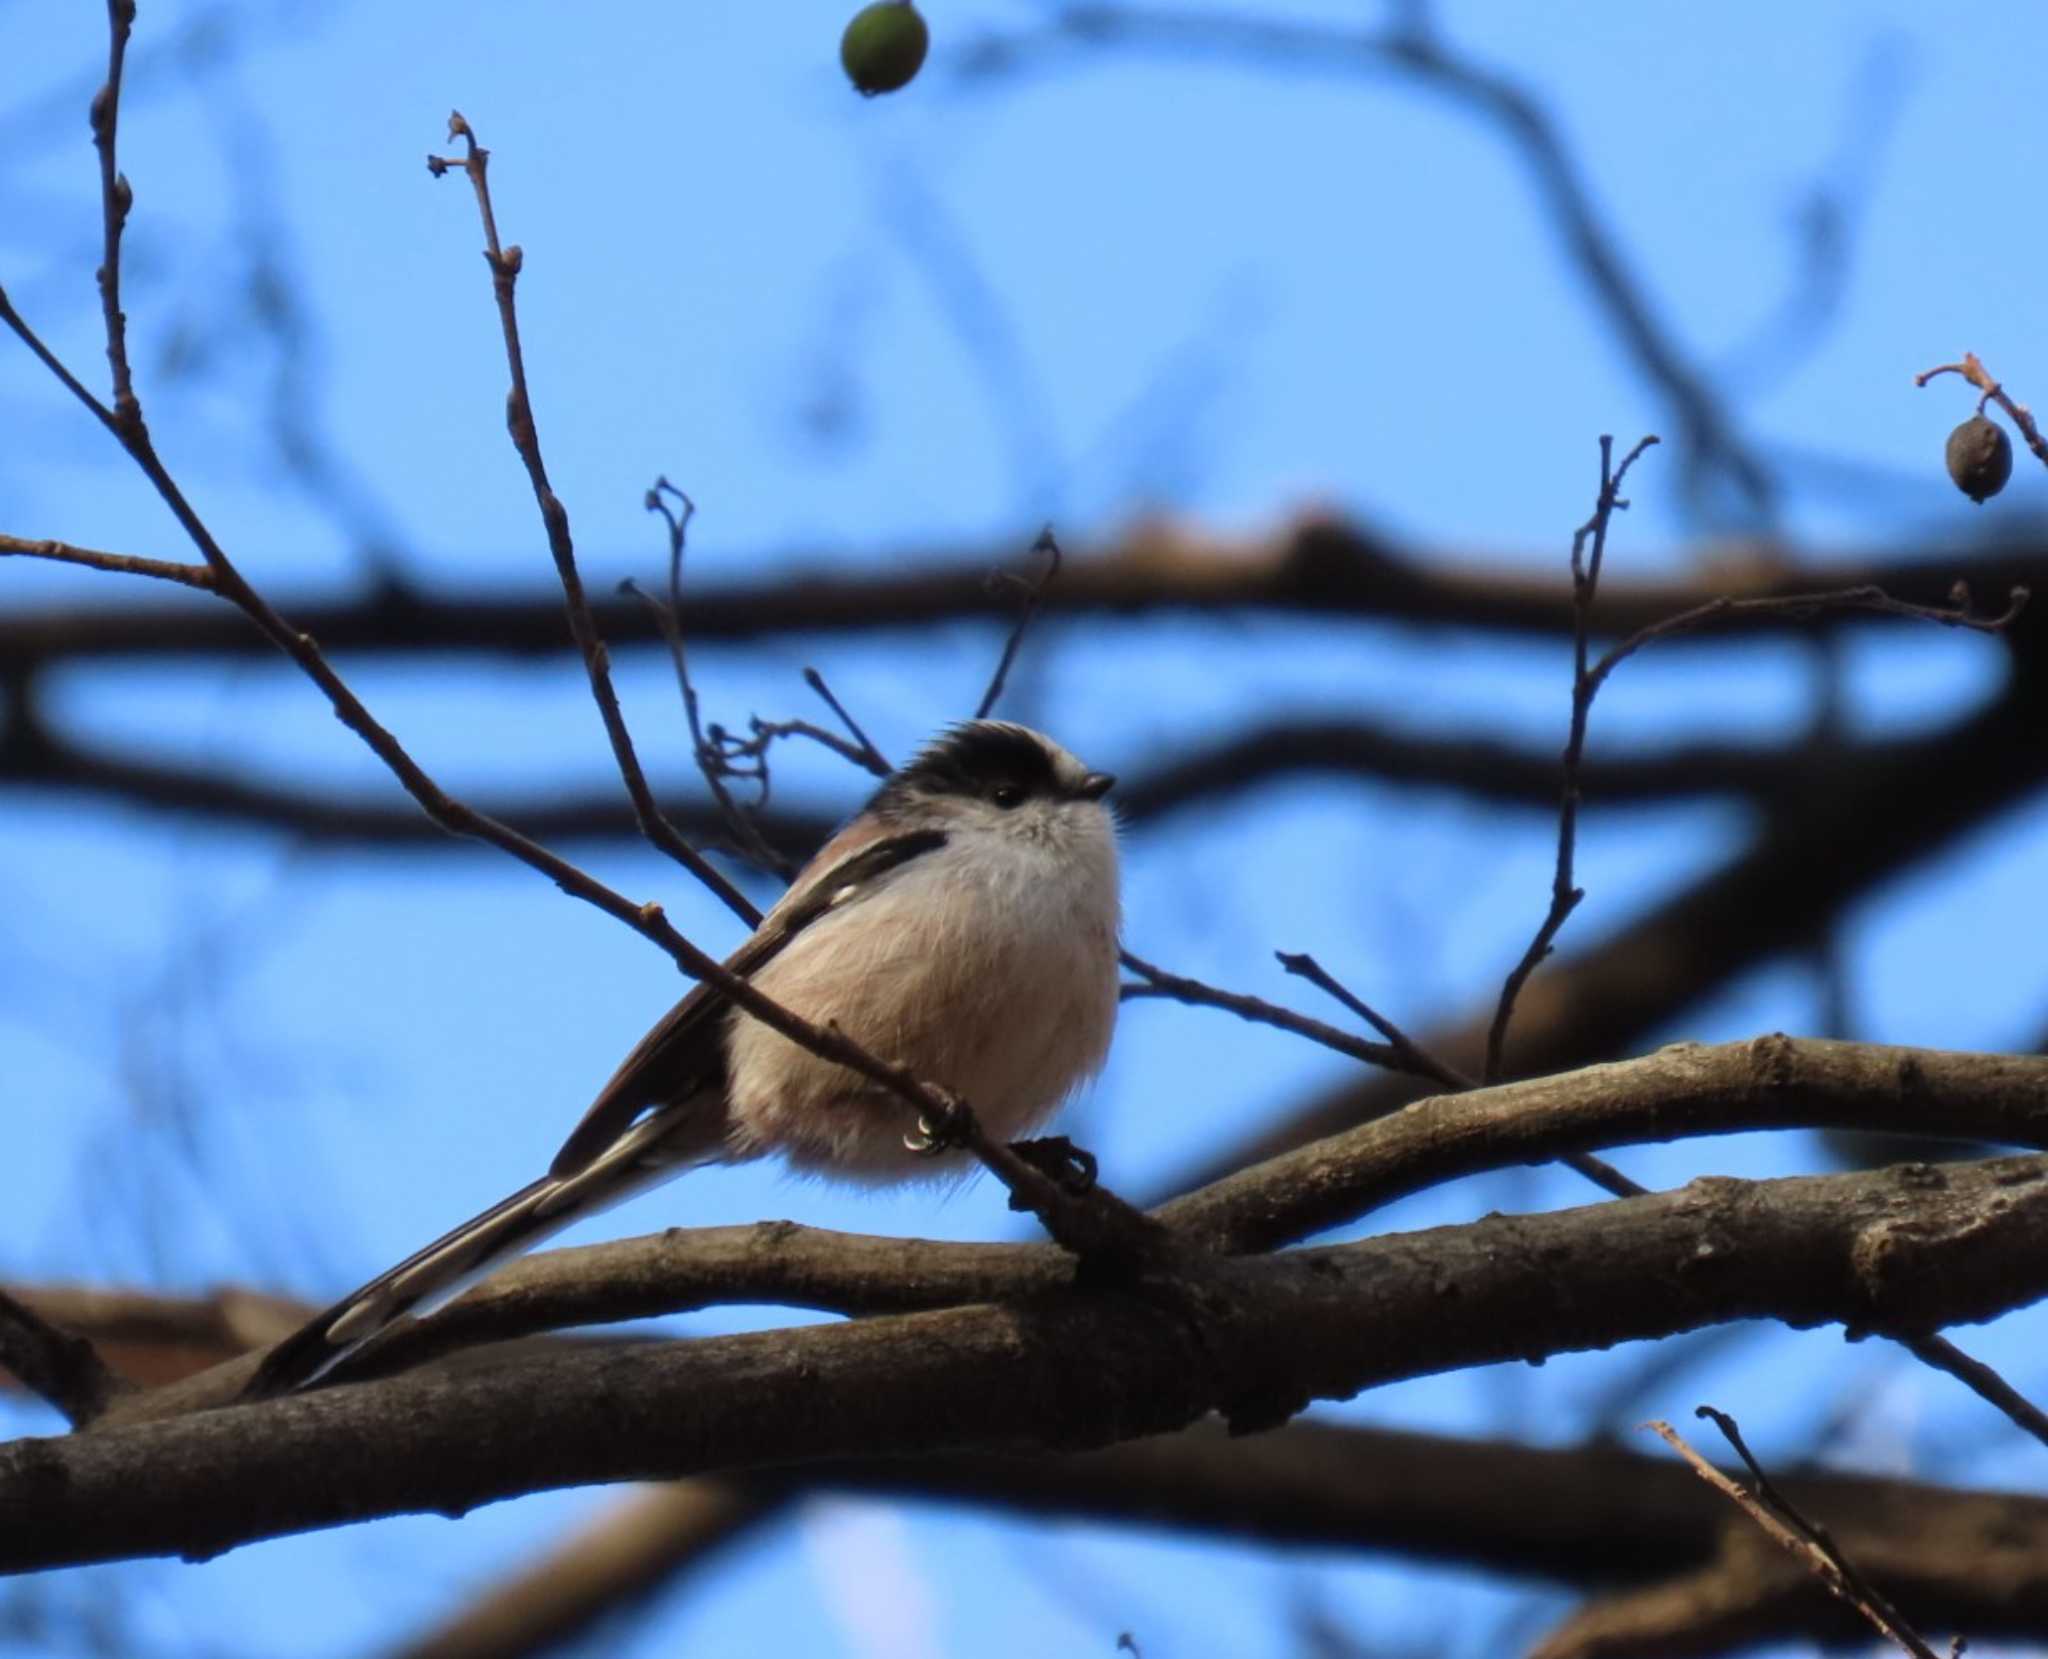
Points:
[(1936, 1350), (1034, 594), (1589, 546), (767, 733), (709, 751), (866, 754), (1806, 1539), (1159, 983), (668, 617), (505, 263), (454, 816), (125, 564), (1958, 613), (116, 198), (1564, 896), (64, 1369), (1065, 1215), (1972, 370), (1424, 1064), (1418, 1059)]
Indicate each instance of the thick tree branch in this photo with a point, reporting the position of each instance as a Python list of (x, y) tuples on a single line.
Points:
[(1773, 1082), (1687, 1090), (1314, 567), (1590, 1516), (1253, 1338), (1215, 773)]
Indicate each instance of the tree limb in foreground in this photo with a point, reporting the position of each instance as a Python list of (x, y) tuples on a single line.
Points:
[(1255, 1339)]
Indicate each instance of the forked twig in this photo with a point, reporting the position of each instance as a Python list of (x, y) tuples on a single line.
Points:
[(1589, 545), (1033, 595), (1564, 895), (1157, 982), (1805, 1539), (1425, 1064), (668, 614), (505, 263)]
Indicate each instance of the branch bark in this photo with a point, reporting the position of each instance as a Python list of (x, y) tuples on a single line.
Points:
[(1312, 567), (1253, 1338), (1591, 1516), (32, 752)]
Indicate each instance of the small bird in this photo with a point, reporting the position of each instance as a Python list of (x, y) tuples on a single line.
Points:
[(963, 924)]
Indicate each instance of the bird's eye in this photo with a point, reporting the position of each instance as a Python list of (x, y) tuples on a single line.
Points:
[(1007, 795)]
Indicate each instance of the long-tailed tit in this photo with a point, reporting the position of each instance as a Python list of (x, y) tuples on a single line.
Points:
[(963, 923)]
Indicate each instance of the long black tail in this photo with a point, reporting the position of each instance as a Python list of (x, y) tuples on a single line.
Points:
[(458, 1258)]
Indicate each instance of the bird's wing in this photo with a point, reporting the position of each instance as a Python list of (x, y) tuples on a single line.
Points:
[(685, 1052)]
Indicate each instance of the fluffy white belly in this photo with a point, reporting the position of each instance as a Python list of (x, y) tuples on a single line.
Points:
[(1004, 993)]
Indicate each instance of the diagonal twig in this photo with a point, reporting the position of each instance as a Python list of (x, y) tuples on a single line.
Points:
[(505, 263), (865, 753), (1425, 1064), (1157, 982), (123, 564), (1806, 1539), (1418, 1059), (1033, 595), (1931, 1348)]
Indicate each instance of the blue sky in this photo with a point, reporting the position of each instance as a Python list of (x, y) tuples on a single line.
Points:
[(1112, 283)]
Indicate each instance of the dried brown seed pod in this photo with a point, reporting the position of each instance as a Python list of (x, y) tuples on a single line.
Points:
[(1979, 458)]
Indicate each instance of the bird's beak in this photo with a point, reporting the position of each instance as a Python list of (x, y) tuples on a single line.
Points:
[(1096, 785)]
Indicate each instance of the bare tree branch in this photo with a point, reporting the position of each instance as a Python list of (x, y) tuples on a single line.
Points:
[(1590, 1516), (1313, 567), (1979, 1378), (1804, 1539), (1589, 549), (519, 419), (1810, 858), (1213, 773), (1256, 1338)]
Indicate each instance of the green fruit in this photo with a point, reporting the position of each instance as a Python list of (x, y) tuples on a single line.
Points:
[(1979, 458), (884, 46)]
